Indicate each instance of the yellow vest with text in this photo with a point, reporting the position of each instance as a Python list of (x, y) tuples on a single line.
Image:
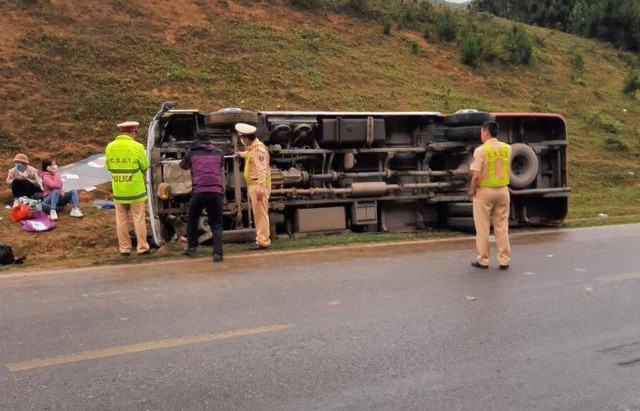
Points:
[(126, 159), (501, 154), (247, 163)]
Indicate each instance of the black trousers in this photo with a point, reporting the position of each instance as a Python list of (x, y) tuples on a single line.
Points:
[(212, 202), (25, 188)]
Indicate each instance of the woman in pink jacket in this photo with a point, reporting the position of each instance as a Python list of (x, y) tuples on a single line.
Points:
[(53, 194)]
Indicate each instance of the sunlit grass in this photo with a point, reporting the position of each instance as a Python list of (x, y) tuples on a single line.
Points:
[(83, 79)]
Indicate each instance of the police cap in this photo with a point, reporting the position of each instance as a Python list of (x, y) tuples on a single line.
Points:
[(245, 129), (128, 126)]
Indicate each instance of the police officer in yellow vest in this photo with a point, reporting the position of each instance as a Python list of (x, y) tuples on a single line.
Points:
[(257, 175), (489, 181), (126, 159)]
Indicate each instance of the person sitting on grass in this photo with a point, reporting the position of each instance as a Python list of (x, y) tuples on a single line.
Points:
[(53, 194), (23, 179)]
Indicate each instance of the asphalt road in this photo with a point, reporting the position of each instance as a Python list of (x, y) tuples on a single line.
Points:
[(410, 327)]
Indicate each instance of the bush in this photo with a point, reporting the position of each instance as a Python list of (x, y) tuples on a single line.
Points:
[(305, 4), (447, 28), (616, 144), (415, 47), (474, 48), (605, 123), (577, 68), (471, 49), (359, 8), (518, 45), (631, 83), (386, 29), (426, 32)]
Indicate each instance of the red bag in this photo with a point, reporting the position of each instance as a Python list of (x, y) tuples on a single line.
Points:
[(20, 211)]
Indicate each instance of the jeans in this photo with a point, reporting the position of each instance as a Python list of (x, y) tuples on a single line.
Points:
[(55, 201), (213, 204)]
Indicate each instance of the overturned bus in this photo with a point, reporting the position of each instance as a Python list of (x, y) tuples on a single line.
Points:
[(359, 171)]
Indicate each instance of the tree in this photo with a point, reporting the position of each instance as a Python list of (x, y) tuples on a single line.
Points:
[(447, 28), (631, 83), (615, 21), (471, 49), (518, 45)]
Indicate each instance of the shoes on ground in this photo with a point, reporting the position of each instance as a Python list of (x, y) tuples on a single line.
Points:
[(190, 251), (147, 252), (217, 258), (75, 212), (257, 247), (53, 215), (504, 266), (478, 265)]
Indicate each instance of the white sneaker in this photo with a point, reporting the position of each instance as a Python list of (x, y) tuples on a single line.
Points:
[(75, 212), (53, 215)]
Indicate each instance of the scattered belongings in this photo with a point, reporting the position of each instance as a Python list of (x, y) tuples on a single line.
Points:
[(34, 204), (20, 211), (104, 204), (7, 257), (37, 222)]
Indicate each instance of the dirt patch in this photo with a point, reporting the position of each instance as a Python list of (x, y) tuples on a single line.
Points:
[(73, 241)]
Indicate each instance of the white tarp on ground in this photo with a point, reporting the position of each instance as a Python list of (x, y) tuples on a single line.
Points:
[(85, 174)]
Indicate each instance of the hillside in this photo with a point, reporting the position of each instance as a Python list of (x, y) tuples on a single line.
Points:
[(71, 70)]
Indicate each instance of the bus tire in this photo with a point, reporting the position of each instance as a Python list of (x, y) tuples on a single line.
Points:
[(231, 116), (475, 118), (524, 166)]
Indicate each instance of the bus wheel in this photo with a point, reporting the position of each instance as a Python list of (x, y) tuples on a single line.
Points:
[(231, 116), (469, 118), (524, 166)]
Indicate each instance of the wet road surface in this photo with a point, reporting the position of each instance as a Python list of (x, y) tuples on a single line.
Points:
[(409, 326)]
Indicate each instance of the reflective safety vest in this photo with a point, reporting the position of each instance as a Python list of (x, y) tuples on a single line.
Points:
[(247, 163), (496, 158), (126, 159)]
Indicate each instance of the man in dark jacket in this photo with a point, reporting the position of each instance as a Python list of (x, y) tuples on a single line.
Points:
[(205, 162)]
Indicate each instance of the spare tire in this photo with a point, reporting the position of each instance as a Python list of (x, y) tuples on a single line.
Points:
[(471, 118), (230, 116), (524, 166), (467, 133)]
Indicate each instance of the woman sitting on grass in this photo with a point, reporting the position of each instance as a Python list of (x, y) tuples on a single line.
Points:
[(53, 194)]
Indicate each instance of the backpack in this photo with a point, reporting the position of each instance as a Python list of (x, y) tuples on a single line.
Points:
[(6, 256)]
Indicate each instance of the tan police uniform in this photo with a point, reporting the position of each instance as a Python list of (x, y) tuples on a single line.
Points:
[(258, 177), (126, 159), (491, 201)]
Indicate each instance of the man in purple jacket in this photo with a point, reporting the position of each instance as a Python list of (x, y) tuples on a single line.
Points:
[(205, 162)]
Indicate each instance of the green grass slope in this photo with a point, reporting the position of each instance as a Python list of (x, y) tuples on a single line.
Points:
[(70, 70)]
